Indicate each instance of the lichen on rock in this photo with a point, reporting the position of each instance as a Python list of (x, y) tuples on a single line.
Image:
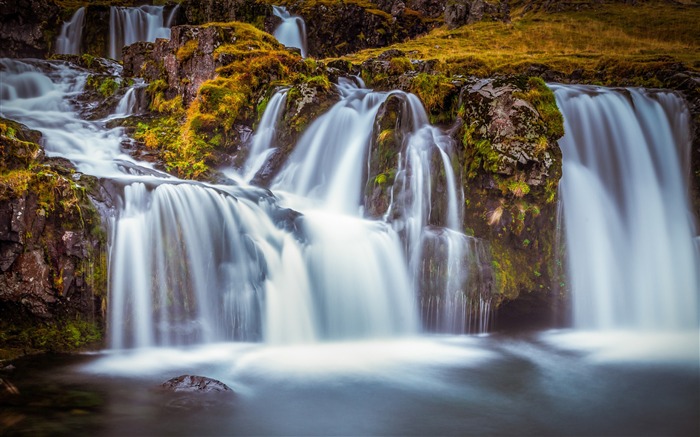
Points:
[(52, 248)]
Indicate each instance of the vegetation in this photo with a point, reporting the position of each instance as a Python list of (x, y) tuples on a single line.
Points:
[(607, 43), (67, 334), (63, 205)]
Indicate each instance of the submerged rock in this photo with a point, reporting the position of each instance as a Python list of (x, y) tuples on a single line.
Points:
[(195, 384)]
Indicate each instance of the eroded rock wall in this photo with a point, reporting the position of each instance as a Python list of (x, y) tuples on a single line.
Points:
[(52, 248)]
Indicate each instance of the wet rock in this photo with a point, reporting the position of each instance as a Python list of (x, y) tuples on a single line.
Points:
[(51, 240), (195, 384)]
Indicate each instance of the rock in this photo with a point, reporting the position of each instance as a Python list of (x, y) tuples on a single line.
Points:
[(51, 240), (328, 34), (461, 12), (224, 11), (26, 27), (195, 384)]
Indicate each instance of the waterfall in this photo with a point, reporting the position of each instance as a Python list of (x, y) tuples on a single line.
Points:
[(629, 232), (69, 40), (326, 170), (264, 137), (144, 23), (292, 30)]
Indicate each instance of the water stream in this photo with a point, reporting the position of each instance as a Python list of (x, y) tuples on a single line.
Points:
[(144, 23), (69, 40), (312, 312), (630, 235), (291, 32)]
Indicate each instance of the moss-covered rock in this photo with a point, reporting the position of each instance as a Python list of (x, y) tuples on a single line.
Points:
[(511, 169), (206, 87), (52, 248)]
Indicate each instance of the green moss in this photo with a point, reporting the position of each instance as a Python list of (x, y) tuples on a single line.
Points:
[(61, 335), (105, 85), (518, 188), (543, 100), (435, 91), (400, 65), (479, 154)]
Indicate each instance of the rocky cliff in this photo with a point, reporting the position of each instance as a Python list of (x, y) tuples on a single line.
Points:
[(52, 249)]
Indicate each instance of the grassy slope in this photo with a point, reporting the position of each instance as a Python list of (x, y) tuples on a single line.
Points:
[(633, 36)]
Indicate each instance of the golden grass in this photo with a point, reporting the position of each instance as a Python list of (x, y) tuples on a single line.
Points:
[(565, 41)]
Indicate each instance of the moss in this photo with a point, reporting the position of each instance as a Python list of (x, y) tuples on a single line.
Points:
[(187, 50), (105, 85), (435, 91), (61, 335), (400, 65), (479, 154), (543, 100)]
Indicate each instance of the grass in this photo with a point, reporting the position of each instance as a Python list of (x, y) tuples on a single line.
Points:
[(649, 33)]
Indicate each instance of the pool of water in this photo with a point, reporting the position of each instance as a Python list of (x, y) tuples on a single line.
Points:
[(542, 383)]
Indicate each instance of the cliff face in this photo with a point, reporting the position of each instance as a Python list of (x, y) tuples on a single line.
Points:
[(52, 249), (28, 27)]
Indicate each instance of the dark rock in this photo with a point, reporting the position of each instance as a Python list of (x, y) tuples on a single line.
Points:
[(51, 240), (461, 12), (224, 11), (329, 35), (26, 30), (195, 384)]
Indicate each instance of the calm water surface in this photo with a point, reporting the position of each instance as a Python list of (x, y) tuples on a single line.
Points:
[(553, 383)]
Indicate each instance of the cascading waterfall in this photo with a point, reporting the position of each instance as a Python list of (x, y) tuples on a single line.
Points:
[(144, 23), (327, 167), (264, 137), (69, 40), (292, 30), (632, 259)]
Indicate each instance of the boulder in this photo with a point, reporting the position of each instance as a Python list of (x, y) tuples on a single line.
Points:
[(461, 12), (195, 384)]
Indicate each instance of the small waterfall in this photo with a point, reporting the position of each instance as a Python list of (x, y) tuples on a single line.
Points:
[(69, 40), (327, 166), (144, 23), (264, 138), (455, 277), (193, 264), (629, 233), (292, 31), (132, 102), (38, 94)]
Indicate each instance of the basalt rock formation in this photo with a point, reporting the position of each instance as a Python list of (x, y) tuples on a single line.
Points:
[(52, 248)]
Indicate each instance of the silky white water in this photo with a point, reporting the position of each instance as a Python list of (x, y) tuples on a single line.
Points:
[(69, 40), (143, 23), (291, 32), (630, 236), (326, 170), (264, 139)]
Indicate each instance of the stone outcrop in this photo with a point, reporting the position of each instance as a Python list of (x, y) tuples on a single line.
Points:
[(52, 245), (27, 27), (461, 12), (329, 35), (504, 132)]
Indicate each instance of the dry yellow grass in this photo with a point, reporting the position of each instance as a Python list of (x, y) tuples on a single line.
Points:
[(647, 33)]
